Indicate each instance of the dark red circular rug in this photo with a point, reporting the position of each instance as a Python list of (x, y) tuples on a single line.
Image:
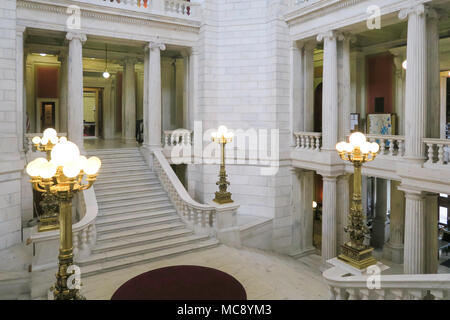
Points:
[(182, 283)]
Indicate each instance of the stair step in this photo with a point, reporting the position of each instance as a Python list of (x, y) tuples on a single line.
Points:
[(94, 152), (136, 209), (141, 240), (125, 203), (130, 233), (121, 165), (97, 268), (126, 178), (121, 156), (124, 169), (136, 224), (130, 196), (106, 192), (114, 219), (138, 253)]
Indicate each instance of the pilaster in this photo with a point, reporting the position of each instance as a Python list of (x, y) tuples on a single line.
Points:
[(329, 220)]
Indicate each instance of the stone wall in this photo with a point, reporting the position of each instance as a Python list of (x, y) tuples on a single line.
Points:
[(11, 164)]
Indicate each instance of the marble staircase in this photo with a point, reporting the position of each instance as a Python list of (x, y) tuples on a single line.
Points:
[(136, 222)]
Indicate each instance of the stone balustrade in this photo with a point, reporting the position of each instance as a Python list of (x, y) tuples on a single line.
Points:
[(393, 146), (308, 140), (177, 137), (200, 217), (438, 151), (389, 287)]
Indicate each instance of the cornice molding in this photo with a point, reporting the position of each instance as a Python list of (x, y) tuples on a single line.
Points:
[(169, 22)]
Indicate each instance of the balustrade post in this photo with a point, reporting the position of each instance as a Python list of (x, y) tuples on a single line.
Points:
[(430, 153), (440, 153), (391, 146), (75, 244)]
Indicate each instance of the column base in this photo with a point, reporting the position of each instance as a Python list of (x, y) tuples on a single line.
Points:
[(358, 258), (297, 254), (393, 253)]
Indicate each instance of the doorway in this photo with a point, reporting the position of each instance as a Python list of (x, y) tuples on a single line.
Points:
[(48, 114), (93, 112)]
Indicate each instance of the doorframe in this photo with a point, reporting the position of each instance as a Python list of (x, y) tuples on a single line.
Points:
[(39, 112), (97, 91)]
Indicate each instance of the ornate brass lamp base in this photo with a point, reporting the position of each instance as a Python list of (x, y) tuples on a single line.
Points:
[(223, 197), (358, 258), (47, 223)]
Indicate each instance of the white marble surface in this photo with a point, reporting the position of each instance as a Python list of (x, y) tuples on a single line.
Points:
[(264, 275)]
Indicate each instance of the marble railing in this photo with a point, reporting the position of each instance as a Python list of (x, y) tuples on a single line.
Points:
[(438, 151), (391, 287), (200, 217), (393, 146), (179, 8), (177, 137), (308, 140), (29, 136), (84, 231)]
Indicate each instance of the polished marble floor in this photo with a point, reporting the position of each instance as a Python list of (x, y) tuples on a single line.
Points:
[(97, 143)]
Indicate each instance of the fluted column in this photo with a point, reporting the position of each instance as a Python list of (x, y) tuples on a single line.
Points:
[(329, 220), (193, 87), (302, 212), (145, 110), (154, 94), (414, 256), (297, 93), (344, 84), (63, 84), (75, 87), (343, 208), (399, 92), (431, 232), (330, 91), (416, 83), (433, 75), (129, 107), (308, 67), (393, 249)]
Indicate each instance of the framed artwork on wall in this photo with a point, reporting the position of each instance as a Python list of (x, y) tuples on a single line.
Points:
[(381, 123)]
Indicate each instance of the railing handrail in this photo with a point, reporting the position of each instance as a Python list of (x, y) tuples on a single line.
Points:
[(304, 133), (177, 130), (89, 218), (176, 183), (385, 136), (436, 141)]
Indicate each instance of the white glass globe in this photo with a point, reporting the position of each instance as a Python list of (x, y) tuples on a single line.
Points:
[(366, 147), (50, 133), (83, 162), (72, 169), (63, 153), (47, 170), (374, 147), (348, 147), (340, 146), (34, 167), (44, 141), (357, 139), (62, 139), (106, 75), (222, 130), (92, 166), (36, 140), (405, 64), (54, 140)]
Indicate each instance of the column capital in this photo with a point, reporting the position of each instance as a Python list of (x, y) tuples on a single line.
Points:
[(195, 50), (411, 193), (20, 29), (345, 36), (416, 9), (76, 35), (328, 178), (152, 45), (310, 45), (327, 35)]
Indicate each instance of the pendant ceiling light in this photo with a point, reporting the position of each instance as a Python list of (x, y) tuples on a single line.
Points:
[(106, 74)]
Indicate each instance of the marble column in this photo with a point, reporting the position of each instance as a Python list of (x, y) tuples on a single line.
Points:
[(308, 67), (154, 94), (416, 83), (20, 103), (129, 107), (399, 92), (415, 241), (302, 212), (343, 209), (379, 223), (329, 220), (443, 112), (63, 84), (297, 90), (344, 84), (193, 87), (431, 232), (433, 75), (75, 88), (330, 91), (108, 110), (394, 249), (145, 110)]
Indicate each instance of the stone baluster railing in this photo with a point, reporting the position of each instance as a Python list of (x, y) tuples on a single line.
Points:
[(391, 287), (177, 137), (200, 217), (393, 146), (30, 136), (438, 151), (308, 140)]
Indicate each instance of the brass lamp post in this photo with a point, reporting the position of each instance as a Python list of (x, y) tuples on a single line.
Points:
[(62, 177), (49, 219), (222, 136), (358, 151)]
